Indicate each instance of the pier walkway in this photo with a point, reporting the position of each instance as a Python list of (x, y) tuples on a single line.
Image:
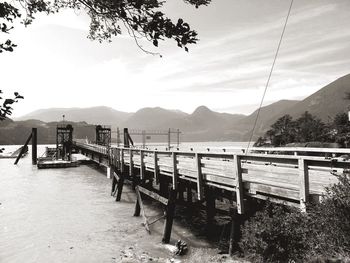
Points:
[(291, 176)]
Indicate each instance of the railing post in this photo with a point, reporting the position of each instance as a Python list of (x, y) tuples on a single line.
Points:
[(131, 170), (118, 137), (131, 163), (178, 137), (143, 139), (142, 165), (169, 139), (199, 176), (116, 158), (156, 167), (121, 160), (304, 183), (126, 139), (239, 184), (175, 174)]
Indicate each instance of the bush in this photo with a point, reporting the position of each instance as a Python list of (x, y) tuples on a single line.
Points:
[(282, 234), (331, 220), (275, 234)]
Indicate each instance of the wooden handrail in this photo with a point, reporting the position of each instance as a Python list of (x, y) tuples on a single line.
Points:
[(279, 177)]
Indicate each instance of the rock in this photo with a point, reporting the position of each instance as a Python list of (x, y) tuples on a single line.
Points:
[(181, 248)]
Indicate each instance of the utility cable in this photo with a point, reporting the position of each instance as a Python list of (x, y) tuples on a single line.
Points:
[(269, 78)]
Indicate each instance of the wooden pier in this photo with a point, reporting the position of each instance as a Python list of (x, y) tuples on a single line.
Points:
[(287, 176)]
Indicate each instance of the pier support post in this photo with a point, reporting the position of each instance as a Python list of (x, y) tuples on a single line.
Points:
[(181, 192), (210, 208), (120, 187), (121, 173), (235, 230), (114, 183), (169, 216), (163, 186), (189, 195), (137, 205), (34, 146)]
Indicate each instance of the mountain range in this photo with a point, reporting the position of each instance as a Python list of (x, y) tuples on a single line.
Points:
[(204, 124)]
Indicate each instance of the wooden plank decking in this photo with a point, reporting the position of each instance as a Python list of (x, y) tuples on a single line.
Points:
[(291, 179)]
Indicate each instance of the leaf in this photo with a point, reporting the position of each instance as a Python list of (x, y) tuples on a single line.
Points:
[(155, 42), (9, 101)]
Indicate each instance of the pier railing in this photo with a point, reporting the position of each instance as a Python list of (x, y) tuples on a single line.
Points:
[(289, 179)]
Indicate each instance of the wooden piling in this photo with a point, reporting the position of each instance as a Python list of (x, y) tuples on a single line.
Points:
[(235, 230), (181, 192), (163, 185), (138, 203), (23, 148), (189, 195), (34, 146), (169, 217), (120, 186), (114, 183), (210, 207)]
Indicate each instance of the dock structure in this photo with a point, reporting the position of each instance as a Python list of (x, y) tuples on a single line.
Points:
[(170, 176), (147, 135)]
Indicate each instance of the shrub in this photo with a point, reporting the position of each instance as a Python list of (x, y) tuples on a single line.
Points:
[(275, 235), (331, 220), (282, 234)]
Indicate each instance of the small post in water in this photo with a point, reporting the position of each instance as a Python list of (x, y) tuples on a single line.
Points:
[(34, 146)]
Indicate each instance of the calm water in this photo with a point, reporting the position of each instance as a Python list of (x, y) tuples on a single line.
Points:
[(55, 215), (68, 215)]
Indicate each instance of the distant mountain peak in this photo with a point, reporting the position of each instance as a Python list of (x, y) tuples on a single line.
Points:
[(202, 110)]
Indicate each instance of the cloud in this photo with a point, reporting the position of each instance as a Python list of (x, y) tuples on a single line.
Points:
[(55, 65)]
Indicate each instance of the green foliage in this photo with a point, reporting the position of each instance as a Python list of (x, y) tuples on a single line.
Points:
[(10, 12), (281, 234), (305, 129), (274, 235), (141, 19), (6, 107), (308, 128), (339, 130), (260, 142), (282, 131), (332, 220)]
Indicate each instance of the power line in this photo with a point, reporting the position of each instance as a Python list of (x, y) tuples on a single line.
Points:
[(269, 78)]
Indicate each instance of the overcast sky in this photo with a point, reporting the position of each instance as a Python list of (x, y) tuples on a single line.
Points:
[(55, 65)]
